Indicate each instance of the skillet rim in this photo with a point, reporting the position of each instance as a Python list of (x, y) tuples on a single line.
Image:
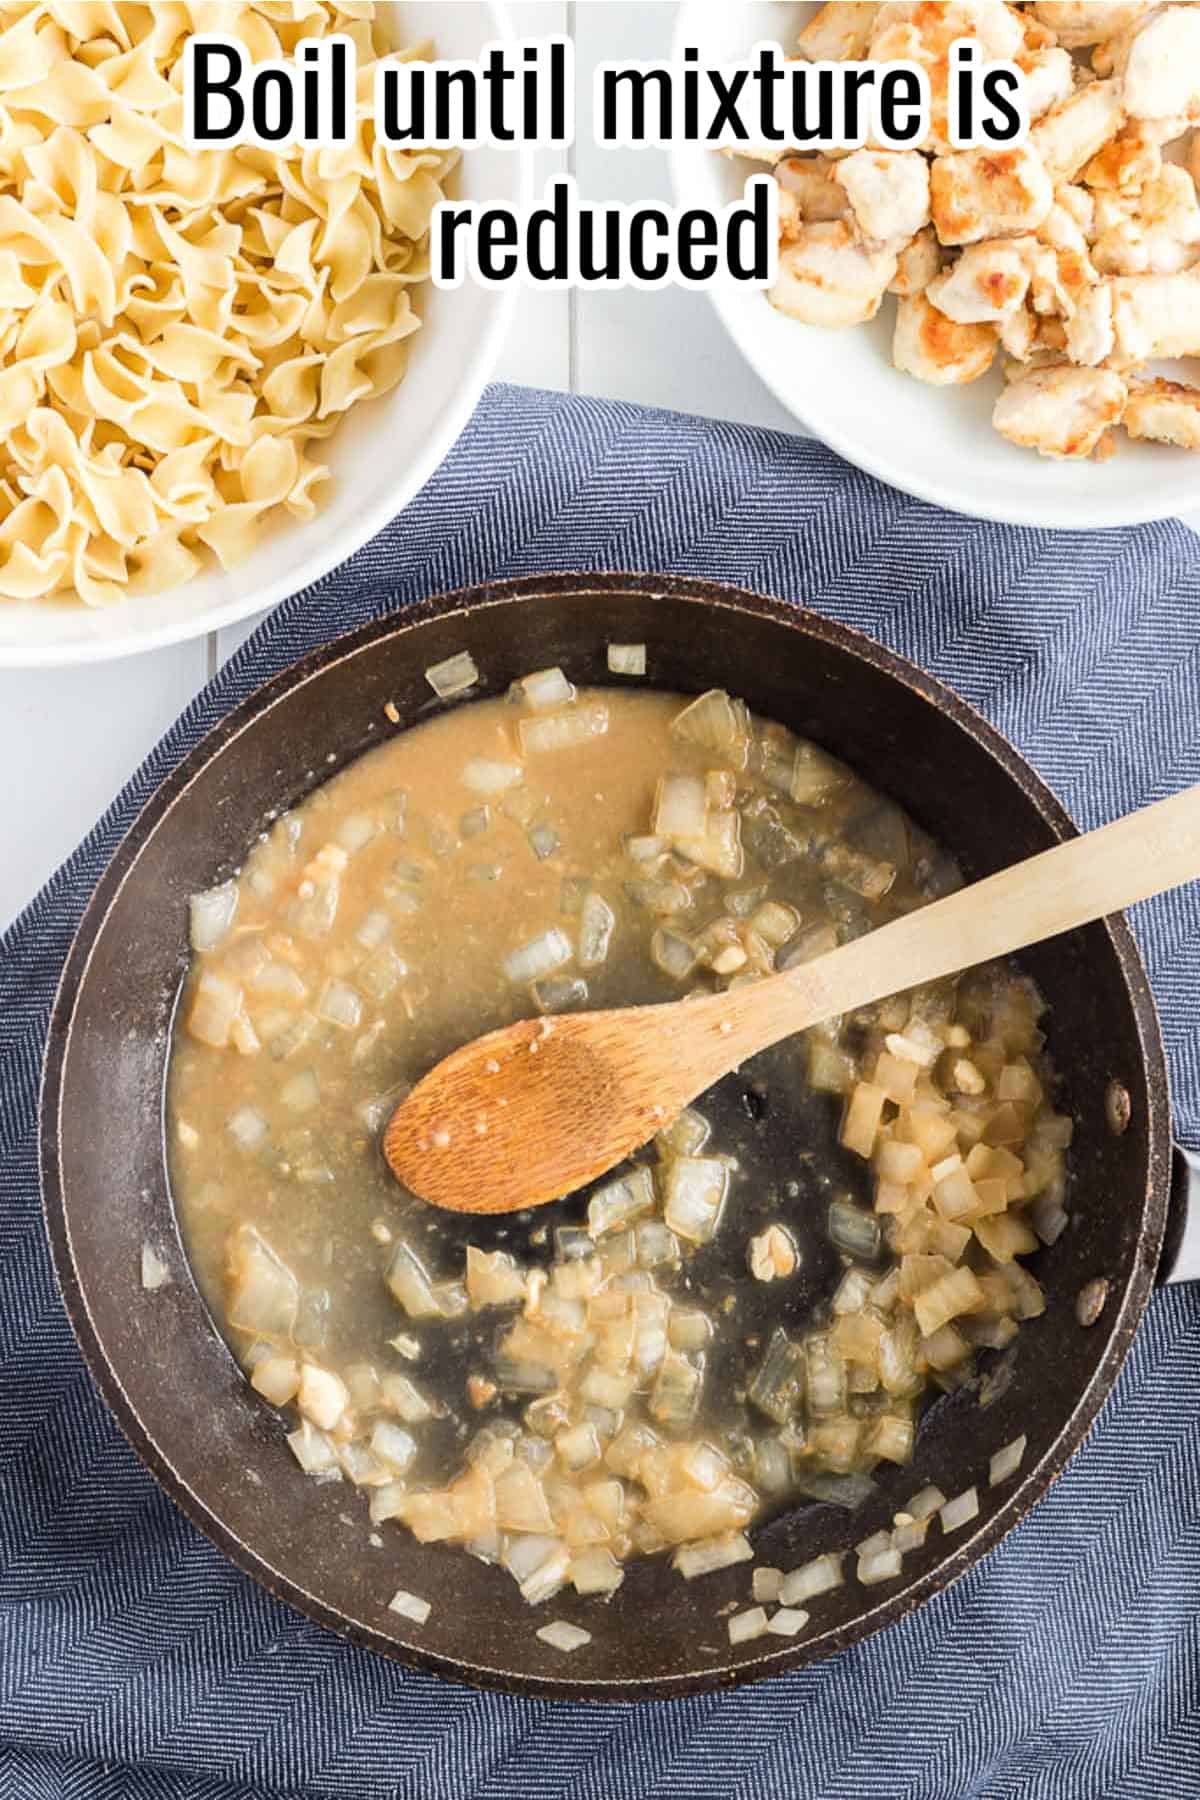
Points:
[(248, 712)]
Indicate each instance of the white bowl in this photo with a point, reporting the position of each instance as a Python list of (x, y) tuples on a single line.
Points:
[(384, 451), (937, 443)]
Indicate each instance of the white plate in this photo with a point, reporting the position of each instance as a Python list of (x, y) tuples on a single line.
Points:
[(937, 443), (385, 450)]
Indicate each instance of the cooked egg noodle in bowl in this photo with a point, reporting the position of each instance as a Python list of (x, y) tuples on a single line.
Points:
[(183, 328)]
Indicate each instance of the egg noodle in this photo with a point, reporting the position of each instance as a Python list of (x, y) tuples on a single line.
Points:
[(180, 327)]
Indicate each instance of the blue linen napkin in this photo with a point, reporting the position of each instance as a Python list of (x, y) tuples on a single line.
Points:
[(135, 1664)]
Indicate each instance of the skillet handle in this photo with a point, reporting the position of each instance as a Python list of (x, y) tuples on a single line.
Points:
[(1180, 1259)]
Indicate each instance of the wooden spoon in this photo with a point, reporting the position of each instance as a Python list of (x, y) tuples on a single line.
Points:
[(529, 1113)]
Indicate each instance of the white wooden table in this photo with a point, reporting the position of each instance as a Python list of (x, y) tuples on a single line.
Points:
[(69, 739)]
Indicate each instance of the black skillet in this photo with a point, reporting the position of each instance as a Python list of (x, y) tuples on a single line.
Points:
[(167, 1375)]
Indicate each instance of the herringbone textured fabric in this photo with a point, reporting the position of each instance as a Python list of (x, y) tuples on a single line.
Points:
[(135, 1663)]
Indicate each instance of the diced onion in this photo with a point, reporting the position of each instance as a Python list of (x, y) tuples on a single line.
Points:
[(155, 1272), (673, 954), (853, 1230), (710, 721), (675, 1396), (619, 1203), (596, 1571), (710, 1554), (688, 1328), (247, 1127), (926, 1503), (485, 775), (211, 915), (562, 1636), (217, 1004), (960, 1511), (276, 1378), (453, 676), (563, 731), (779, 1383), (393, 1445), (787, 1621), (301, 1092), (545, 689), (355, 832), (373, 930), (1050, 1218), (493, 1279), (747, 1625), (544, 841), (880, 1564), (910, 1534), (765, 1584), (339, 1004), (323, 1396), (404, 1397), (680, 808), (643, 849), (410, 1606), (312, 1450), (627, 659), (596, 924), (538, 957), (686, 1135), (718, 848), (410, 1285), (264, 1295), (527, 1552), (695, 1188), (817, 1577), (1007, 1461)]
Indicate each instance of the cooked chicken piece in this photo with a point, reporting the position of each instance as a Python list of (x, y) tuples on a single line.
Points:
[(1194, 159), (1070, 134), (1061, 230), (1060, 411), (1090, 337), (1160, 61), (1079, 204), (1156, 315), (839, 32), (997, 26), (923, 33), (917, 264), (1018, 334), (759, 153), (1036, 35), (809, 181), (1165, 131), (1158, 233), (1165, 411), (1169, 199), (988, 282), (1125, 164), (935, 349), (1111, 212), (888, 191), (1058, 279), (1077, 24), (980, 194), (826, 277), (1051, 338), (791, 219), (1130, 249), (1049, 79)]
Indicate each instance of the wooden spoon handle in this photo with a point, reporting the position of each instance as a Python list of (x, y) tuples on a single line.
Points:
[(1090, 876)]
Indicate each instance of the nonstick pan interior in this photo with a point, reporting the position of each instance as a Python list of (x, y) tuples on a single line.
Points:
[(168, 1376)]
